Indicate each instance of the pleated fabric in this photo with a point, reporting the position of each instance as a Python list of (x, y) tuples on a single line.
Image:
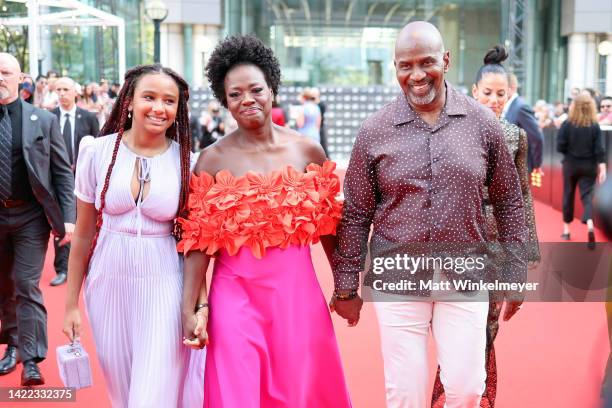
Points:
[(134, 286)]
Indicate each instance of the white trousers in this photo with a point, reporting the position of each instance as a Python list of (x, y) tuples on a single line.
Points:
[(459, 333)]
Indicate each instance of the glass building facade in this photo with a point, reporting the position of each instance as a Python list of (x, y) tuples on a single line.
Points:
[(91, 53), (350, 42)]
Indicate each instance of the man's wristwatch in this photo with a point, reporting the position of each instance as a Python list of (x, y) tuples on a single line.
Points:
[(345, 296)]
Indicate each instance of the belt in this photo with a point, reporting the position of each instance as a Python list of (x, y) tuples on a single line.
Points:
[(12, 203)]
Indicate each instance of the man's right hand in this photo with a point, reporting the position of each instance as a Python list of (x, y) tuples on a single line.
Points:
[(347, 309)]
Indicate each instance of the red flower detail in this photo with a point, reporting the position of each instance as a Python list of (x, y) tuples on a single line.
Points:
[(260, 211)]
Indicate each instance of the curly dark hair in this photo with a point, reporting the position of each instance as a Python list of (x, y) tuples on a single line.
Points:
[(241, 50)]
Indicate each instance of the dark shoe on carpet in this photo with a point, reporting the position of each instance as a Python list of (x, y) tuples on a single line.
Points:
[(565, 237), (59, 279), (591, 243), (9, 361), (31, 374)]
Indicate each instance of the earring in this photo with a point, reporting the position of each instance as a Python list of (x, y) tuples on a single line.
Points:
[(129, 115)]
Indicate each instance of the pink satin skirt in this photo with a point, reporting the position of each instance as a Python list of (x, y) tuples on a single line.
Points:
[(272, 342)]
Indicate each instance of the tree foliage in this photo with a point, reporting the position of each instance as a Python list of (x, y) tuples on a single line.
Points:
[(14, 39)]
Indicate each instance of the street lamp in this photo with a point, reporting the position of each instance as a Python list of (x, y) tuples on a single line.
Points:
[(605, 48), (157, 11)]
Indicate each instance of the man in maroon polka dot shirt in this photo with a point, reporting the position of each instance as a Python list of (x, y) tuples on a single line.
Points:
[(418, 174)]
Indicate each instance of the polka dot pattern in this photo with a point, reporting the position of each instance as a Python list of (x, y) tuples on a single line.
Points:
[(418, 183)]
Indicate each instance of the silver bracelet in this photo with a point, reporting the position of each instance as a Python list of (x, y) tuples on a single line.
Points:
[(201, 306)]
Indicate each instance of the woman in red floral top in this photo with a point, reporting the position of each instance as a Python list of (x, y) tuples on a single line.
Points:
[(259, 197)]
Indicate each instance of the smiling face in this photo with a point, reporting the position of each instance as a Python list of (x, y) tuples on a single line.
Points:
[(492, 91), (420, 73), (154, 104), (10, 78), (420, 64), (249, 98)]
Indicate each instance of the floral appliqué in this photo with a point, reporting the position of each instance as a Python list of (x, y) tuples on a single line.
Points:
[(259, 211)]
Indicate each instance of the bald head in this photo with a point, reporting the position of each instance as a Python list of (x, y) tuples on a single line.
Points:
[(66, 81), (65, 88), (420, 65), (420, 34), (10, 78), (11, 61)]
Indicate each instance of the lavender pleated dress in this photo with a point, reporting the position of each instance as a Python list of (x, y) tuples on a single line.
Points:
[(133, 289)]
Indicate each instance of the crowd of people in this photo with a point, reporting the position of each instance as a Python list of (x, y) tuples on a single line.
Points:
[(308, 118), (95, 97), (250, 194), (552, 115)]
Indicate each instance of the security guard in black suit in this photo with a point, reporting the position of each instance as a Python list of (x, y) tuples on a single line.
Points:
[(74, 124), (36, 196)]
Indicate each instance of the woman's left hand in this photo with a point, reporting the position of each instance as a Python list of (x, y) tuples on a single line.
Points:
[(194, 331)]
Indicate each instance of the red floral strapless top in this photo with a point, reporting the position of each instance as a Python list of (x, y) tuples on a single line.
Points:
[(282, 208)]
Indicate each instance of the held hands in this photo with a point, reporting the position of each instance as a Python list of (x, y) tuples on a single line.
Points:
[(347, 309), (72, 324), (194, 329)]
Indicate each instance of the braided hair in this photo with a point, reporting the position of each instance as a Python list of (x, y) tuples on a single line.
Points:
[(119, 121)]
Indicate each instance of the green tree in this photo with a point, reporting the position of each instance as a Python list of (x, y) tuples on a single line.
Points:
[(14, 39)]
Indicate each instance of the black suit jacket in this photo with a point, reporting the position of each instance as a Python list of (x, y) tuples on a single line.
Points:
[(49, 170), (86, 124), (520, 113)]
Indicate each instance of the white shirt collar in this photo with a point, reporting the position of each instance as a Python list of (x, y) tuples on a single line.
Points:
[(72, 111), (508, 103)]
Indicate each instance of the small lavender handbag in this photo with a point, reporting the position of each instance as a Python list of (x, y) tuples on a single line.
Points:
[(74, 368)]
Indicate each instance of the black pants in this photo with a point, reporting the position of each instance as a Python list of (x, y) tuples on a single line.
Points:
[(581, 173), (24, 235), (60, 263)]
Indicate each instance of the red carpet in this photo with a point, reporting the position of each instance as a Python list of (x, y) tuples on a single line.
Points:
[(550, 355)]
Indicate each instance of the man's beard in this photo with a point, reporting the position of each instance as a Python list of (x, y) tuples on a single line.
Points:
[(4, 93), (422, 100)]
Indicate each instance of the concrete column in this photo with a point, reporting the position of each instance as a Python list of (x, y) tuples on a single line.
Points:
[(163, 44), (204, 40), (171, 52), (577, 60), (608, 76), (582, 60), (592, 69), (188, 52)]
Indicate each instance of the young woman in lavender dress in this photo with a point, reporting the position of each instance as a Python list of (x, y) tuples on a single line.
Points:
[(131, 184)]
